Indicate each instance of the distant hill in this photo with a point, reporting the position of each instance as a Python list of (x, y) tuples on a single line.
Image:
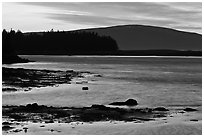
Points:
[(137, 40), (140, 37)]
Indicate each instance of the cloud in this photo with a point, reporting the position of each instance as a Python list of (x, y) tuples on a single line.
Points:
[(104, 21), (178, 15)]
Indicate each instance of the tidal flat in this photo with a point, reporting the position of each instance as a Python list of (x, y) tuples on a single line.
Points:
[(92, 99)]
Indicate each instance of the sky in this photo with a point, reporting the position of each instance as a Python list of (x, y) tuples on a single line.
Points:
[(44, 16)]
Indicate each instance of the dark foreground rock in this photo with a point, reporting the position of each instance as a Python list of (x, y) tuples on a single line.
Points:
[(129, 102), (48, 114)]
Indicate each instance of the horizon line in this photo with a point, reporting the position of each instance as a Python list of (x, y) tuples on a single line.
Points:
[(103, 27)]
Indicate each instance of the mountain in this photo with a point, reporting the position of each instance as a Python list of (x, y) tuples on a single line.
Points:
[(137, 40), (141, 37)]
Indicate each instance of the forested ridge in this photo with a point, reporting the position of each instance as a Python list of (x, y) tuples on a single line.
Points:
[(59, 42)]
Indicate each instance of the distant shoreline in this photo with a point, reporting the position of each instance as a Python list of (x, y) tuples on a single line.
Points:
[(116, 56), (137, 53)]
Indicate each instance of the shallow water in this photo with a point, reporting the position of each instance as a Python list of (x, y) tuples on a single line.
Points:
[(152, 81)]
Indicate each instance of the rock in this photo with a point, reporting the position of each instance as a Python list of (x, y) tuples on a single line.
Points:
[(17, 130), (85, 88), (69, 71), (25, 130), (194, 120), (9, 89), (160, 109), (35, 121), (101, 107), (190, 109), (49, 121), (6, 123), (33, 106), (6, 128), (129, 102)]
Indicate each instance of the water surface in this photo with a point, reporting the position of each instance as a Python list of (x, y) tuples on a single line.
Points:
[(152, 81)]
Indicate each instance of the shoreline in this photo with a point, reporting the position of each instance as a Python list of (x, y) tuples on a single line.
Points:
[(116, 56), (87, 120), (95, 119), (15, 79)]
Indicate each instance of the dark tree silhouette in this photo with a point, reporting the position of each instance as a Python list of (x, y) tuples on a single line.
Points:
[(8, 54), (59, 43), (71, 43)]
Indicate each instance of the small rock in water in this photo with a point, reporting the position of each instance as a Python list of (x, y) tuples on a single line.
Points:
[(194, 120), (160, 109), (85, 88), (190, 109), (131, 102)]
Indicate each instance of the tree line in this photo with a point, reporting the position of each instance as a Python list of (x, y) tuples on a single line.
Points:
[(58, 42)]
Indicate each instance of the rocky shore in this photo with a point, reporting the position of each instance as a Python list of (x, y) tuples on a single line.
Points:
[(34, 113), (20, 119), (15, 79)]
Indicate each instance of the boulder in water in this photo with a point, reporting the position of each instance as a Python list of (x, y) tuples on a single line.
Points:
[(190, 109), (129, 102), (160, 109), (85, 88)]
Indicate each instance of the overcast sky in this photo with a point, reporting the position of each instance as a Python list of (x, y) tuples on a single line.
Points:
[(69, 16)]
